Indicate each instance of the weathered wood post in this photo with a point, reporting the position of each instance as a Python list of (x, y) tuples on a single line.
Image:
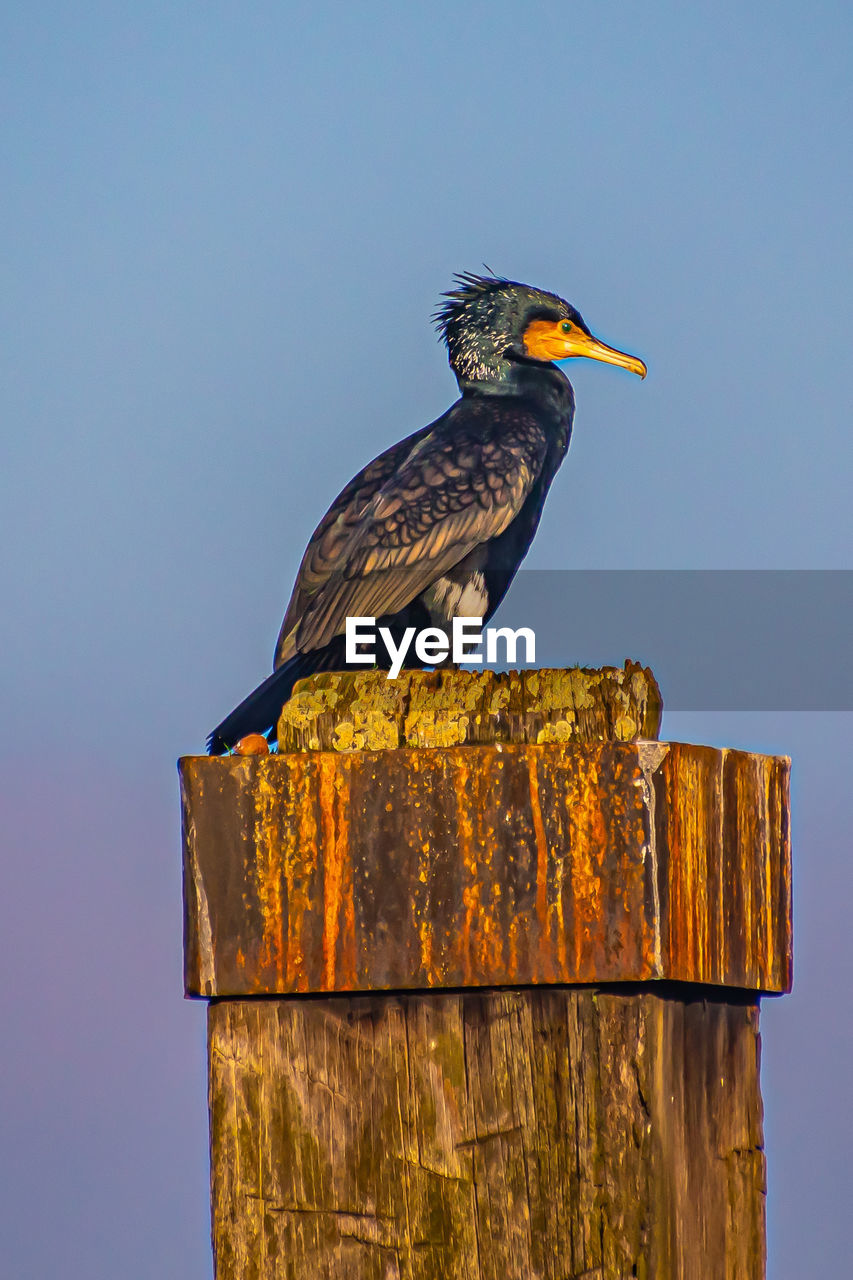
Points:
[(484, 960)]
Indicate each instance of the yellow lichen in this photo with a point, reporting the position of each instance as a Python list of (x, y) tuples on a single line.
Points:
[(499, 699), (625, 728), (346, 738), (557, 730)]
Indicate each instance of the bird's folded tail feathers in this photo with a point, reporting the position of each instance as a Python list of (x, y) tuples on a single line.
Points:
[(259, 712)]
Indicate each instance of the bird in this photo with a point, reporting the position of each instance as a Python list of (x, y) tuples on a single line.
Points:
[(437, 525)]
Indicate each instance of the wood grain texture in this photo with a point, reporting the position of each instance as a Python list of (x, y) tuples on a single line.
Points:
[(486, 866), (547, 1133)]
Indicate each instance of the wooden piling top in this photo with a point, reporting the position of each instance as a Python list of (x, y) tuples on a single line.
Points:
[(456, 829)]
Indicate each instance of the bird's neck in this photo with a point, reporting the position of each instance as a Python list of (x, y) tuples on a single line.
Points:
[(544, 384)]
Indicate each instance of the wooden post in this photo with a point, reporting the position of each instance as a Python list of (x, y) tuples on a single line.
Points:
[(483, 960)]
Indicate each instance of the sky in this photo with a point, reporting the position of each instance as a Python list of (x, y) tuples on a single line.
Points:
[(224, 230)]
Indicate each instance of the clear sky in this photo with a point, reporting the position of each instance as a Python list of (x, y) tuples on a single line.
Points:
[(224, 228)]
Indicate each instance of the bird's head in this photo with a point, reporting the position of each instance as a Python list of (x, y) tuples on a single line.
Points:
[(489, 324)]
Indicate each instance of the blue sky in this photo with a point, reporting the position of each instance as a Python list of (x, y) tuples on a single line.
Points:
[(225, 227)]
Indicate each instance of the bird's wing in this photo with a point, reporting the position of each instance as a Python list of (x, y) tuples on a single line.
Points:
[(460, 485), (322, 556)]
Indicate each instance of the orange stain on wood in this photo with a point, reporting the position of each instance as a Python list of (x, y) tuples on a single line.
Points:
[(425, 937), (688, 825), (430, 966), (488, 840), (300, 868), (331, 872), (348, 977), (334, 852), (471, 890), (339, 941), (268, 876), (545, 959), (588, 843)]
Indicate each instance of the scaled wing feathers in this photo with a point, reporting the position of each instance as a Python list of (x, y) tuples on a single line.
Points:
[(408, 518)]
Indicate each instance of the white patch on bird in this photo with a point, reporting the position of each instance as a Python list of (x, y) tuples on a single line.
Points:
[(447, 599)]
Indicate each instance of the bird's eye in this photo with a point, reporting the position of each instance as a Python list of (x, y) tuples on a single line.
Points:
[(566, 327)]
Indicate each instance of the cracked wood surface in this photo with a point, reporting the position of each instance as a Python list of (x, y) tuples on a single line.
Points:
[(548, 1134)]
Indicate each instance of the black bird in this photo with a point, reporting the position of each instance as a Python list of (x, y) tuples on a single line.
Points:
[(437, 525)]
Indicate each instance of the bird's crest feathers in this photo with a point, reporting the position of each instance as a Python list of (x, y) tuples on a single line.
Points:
[(471, 288)]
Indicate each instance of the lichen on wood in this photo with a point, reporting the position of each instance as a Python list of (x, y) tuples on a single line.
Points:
[(364, 710)]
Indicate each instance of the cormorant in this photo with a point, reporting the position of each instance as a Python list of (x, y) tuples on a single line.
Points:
[(437, 525)]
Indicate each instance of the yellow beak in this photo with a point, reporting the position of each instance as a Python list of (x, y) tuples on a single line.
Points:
[(545, 340), (578, 343)]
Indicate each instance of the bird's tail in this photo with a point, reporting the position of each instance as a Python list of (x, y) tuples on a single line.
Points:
[(259, 712)]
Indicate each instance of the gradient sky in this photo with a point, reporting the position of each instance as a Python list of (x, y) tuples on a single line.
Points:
[(224, 229)]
